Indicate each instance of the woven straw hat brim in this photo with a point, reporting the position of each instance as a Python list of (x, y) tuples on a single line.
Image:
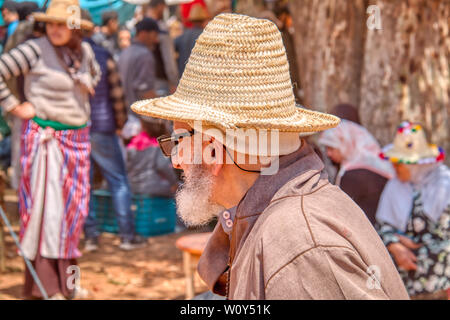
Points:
[(172, 108), (431, 155), (237, 76), (43, 17)]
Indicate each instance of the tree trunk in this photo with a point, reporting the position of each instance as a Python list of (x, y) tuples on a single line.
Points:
[(406, 70), (329, 37), (399, 72)]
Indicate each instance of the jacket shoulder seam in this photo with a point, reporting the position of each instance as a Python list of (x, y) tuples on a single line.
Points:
[(298, 195), (301, 254), (307, 223)]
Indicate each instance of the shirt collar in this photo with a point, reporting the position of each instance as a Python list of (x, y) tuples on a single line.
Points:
[(226, 219)]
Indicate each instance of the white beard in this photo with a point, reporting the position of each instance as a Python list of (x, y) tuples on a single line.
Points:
[(193, 199)]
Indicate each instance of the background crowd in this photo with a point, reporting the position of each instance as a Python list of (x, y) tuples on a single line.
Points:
[(66, 97)]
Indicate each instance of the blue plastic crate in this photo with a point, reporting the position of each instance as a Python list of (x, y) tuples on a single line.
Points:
[(152, 215), (101, 206)]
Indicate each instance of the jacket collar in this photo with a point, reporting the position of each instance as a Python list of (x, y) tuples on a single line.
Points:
[(300, 165)]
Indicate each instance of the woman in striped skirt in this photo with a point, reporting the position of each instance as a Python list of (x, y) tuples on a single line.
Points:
[(60, 72)]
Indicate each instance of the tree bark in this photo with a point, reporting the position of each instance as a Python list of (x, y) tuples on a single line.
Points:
[(399, 72), (406, 70), (329, 37)]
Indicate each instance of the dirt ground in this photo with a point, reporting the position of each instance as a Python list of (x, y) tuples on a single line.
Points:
[(153, 272)]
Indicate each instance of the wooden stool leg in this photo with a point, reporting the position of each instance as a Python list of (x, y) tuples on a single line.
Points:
[(2, 236), (189, 275), (2, 250)]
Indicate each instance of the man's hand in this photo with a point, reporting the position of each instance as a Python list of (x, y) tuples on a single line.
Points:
[(24, 111), (402, 253)]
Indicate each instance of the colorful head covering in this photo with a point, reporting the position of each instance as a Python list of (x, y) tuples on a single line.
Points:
[(358, 148), (411, 147)]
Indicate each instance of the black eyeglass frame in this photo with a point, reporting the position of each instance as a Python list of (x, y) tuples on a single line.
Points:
[(174, 137)]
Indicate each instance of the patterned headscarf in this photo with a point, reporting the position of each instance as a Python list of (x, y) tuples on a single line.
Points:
[(358, 148)]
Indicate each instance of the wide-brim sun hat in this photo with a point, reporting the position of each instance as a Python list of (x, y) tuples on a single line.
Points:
[(64, 11), (237, 77), (411, 147)]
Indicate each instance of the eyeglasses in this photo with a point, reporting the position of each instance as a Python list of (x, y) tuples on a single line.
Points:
[(168, 142)]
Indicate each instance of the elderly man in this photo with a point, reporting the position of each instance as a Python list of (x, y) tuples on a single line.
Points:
[(284, 232)]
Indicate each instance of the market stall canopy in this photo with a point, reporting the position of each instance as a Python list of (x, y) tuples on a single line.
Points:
[(168, 2), (125, 9)]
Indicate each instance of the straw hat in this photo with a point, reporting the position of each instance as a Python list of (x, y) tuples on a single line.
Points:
[(198, 13), (411, 147), (64, 11), (238, 77)]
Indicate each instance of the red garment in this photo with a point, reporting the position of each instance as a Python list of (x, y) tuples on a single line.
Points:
[(142, 141), (186, 9), (60, 162)]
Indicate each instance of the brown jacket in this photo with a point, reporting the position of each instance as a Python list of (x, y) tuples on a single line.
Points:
[(296, 236)]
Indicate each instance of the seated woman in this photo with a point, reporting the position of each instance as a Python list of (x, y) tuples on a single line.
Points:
[(362, 174), (149, 171), (413, 217)]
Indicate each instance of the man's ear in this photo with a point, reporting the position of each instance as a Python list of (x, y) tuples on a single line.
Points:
[(213, 156)]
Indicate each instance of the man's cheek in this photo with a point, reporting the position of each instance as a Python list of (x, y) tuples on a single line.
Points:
[(184, 153)]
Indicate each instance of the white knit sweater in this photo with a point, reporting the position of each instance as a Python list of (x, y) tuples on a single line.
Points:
[(48, 86)]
